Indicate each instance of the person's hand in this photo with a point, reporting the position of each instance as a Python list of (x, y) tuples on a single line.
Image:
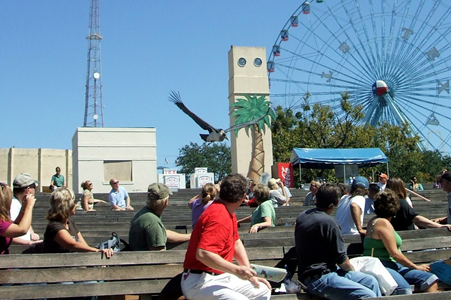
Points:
[(35, 242), (425, 268), (255, 281), (34, 236), (29, 200), (254, 229), (108, 252), (129, 208), (245, 273)]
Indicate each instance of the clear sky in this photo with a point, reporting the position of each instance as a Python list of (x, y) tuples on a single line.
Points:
[(149, 48)]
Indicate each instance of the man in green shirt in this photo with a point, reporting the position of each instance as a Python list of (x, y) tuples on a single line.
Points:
[(147, 231), (57, 180)]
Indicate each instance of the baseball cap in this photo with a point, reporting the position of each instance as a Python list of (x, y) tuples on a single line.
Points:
[(446, 176), (157, 191), (383, 175), (23, 180), (361, 181), (272, 182)]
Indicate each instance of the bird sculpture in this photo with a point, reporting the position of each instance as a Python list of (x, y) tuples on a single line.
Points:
[(214, 134)]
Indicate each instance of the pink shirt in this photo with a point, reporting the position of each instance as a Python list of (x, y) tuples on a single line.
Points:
[(4, 241)]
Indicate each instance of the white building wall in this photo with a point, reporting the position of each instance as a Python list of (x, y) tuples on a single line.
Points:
[(39, 163), (93, 147)]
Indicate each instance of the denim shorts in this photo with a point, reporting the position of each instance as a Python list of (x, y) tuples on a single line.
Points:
[(421, 279)]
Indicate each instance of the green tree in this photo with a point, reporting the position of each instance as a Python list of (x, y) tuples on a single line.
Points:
[(324, 126), (433, 164), (401, 148), (215, 156)]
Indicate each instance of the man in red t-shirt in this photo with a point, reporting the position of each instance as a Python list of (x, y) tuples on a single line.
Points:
[(209, 272)]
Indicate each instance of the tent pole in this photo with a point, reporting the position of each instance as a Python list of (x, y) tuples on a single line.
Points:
[(344, 174), (300, 175), (388, 172)]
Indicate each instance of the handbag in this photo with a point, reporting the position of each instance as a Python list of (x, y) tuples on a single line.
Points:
[(373, 266), (114, 243)]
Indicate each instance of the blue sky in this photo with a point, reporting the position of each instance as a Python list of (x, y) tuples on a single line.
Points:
[(149, 48)]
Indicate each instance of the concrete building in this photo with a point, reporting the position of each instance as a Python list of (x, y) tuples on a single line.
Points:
[(126, 154)]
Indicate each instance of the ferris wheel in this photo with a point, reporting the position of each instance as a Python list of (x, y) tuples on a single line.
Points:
[(391, 56)]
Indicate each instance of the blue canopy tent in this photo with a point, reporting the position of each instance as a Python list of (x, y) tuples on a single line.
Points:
[(329, 158)]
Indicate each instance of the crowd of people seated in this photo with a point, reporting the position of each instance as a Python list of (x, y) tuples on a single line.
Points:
[(321, 259)]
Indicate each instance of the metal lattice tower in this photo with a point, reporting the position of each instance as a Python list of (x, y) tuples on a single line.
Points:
[(93, 97)]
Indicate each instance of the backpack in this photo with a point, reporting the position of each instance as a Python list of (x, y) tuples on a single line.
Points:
[(114, 243)]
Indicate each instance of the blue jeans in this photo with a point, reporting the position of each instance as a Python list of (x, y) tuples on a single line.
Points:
[(404, 287), (343, 285), (421, 279)]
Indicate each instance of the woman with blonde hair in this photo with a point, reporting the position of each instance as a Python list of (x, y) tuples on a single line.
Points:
[(88, 198), (61, 234), (200, 202), (8, 228)]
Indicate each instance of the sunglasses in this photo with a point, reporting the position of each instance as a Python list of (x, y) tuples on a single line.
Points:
[(2, 185), (33, 186), (90, 183), (115, 182)]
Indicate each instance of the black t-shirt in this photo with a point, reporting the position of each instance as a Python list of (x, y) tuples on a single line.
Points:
[(318, 240), (50, 245), (403, 218)]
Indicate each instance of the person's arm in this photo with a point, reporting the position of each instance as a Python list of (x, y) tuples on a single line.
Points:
[(64, 182), (65, 240), (266, 223), (23, 220), (384, 230), (19, 241), (356, 211), (190, 201), (243, 260), (33, 236), (128, 206), (278, 196), (245, 219), (426, 223), (346, 265), (284, 192), (52, 183), (442, 220), (175, 237), (215, 261)]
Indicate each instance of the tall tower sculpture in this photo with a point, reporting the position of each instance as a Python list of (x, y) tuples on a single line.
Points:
[(93, 96), (251, 151)]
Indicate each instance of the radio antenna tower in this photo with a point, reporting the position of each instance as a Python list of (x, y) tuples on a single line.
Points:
[(93, 97)]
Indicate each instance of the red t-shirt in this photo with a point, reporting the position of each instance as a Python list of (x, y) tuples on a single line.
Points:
[(4, 241), (215, 231)]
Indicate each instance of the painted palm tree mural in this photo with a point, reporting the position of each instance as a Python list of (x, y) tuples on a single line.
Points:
[(246, 110)]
